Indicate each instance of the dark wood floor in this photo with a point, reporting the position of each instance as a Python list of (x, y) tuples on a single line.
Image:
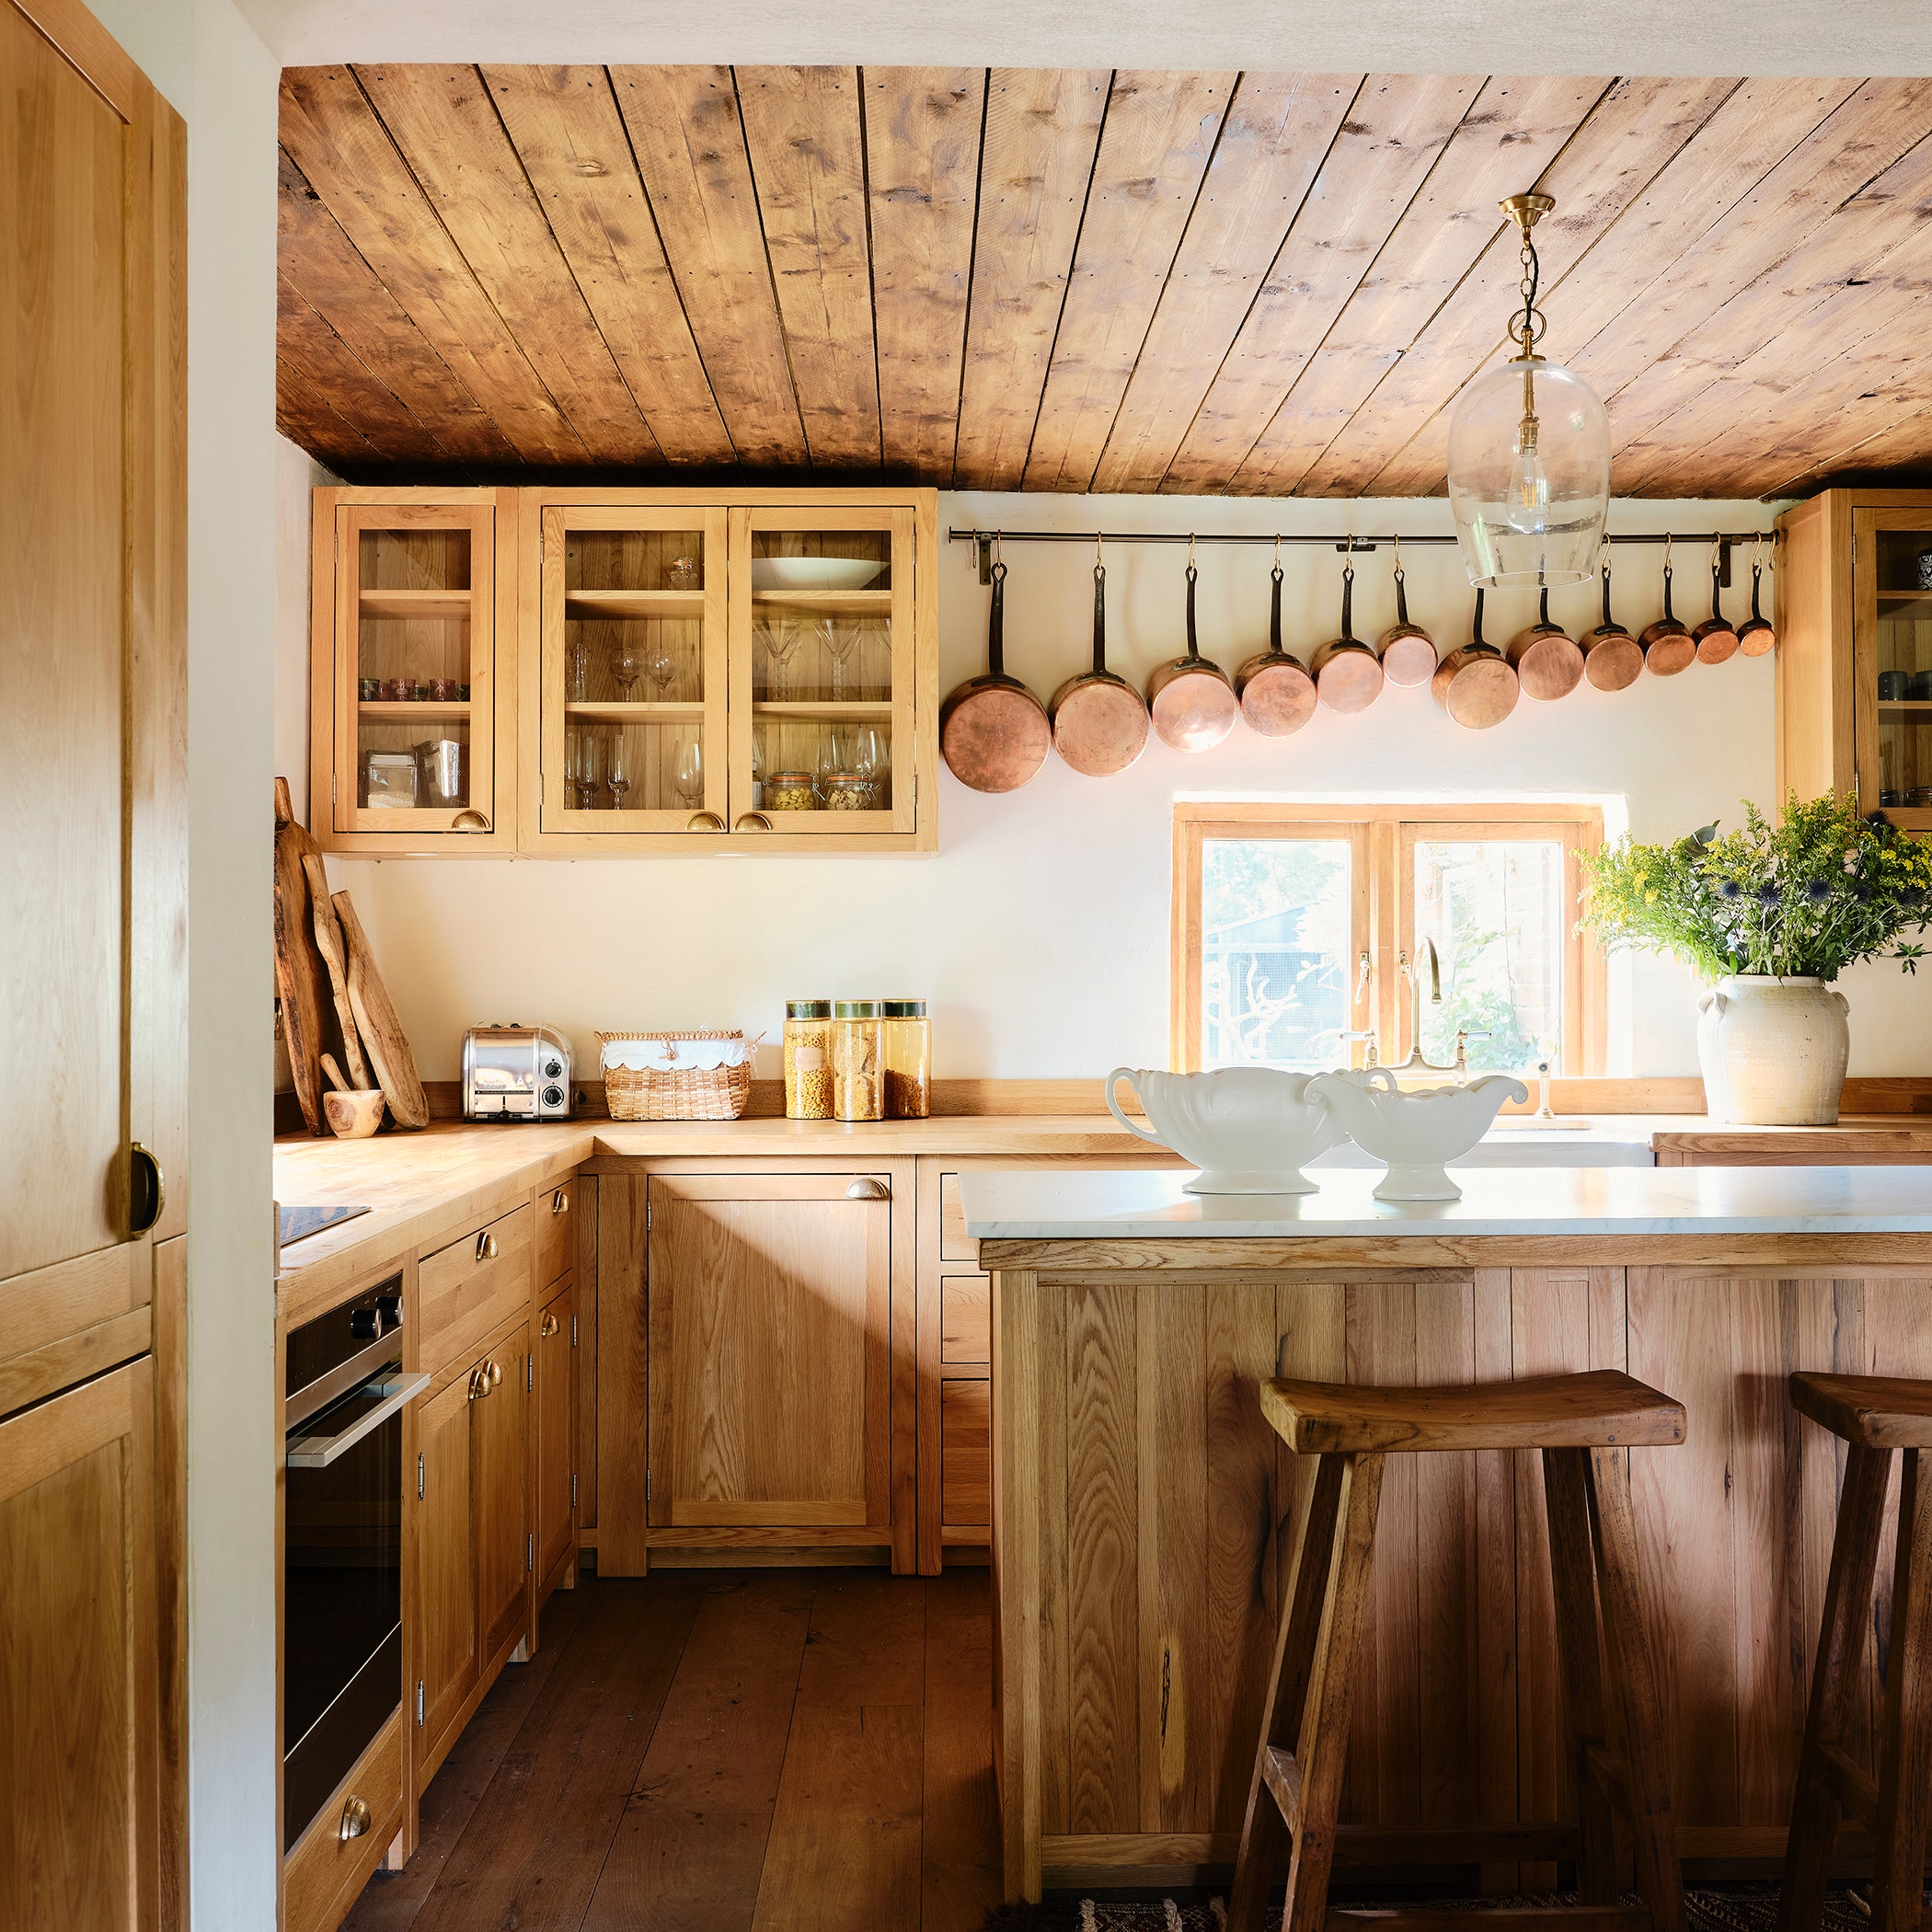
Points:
[(706, 1750)]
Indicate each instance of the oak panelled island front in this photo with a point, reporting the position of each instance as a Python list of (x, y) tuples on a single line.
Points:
[(1144, 1516)]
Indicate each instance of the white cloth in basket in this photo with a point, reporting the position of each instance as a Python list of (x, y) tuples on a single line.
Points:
[(667, 1057)]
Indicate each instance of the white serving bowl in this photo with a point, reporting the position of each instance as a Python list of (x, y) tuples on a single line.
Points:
[(814, 573), (1249, 1129), (1414, 1132)]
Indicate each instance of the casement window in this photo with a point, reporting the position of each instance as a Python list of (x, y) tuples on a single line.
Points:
[(1302, 936)]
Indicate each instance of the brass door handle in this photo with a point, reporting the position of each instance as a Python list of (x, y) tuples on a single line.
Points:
[(704, 822), (547, 1326), (147, 1189), (355, 1820), (469, 821), (479, 1382), (751, 821), (559, 1201), (486, 1246), (495, 1370), (868, 1189)]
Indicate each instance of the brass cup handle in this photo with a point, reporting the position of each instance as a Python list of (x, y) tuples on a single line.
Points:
[(559, 1201), (478, 1382), (547, 1326), (495, 1372), (704, 822), (469, 821), (751, 821), (869, 1189), (147, 1189), (486, 1246), (355, 1820)]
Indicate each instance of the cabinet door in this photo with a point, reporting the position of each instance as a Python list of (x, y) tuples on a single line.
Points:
[(498, 1445), (633, 671), (447, 1657), (556, 1429), (768, 1299), (414, 687), (1892, 664), (823, 710), (77, 1678)]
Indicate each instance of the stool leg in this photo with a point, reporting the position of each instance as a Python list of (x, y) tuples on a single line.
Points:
[(1324, 1747), (1263, 1831), (1566, 1501), (1633, 1684), (1905, 1778), (1835, 1682)]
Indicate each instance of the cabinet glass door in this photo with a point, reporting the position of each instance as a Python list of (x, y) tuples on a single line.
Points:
[(633, 670), (1893, 656), (821, 644), (414, 651)]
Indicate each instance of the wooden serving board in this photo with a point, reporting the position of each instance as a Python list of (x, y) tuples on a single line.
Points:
[(301, 984), (328, 943), (382, 1036)]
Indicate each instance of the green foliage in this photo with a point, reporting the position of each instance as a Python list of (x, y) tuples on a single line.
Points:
[(1818, 891)]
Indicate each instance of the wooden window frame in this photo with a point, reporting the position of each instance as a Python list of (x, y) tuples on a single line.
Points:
[(1383, 838)]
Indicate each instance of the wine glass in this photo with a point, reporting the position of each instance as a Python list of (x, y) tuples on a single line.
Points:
[(577, 671), (588, 775), (868, 761), (628, 663), (780, 640), (690, 777), (618, 773), (831, 759), (660, 666), (841, 641)]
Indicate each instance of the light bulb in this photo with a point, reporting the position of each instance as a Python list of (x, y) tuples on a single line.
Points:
[(1527, 505)]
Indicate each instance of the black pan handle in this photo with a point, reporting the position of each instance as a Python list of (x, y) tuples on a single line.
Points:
[(1476, 638), (1194, 648), (1100, 618), (996, 625), (1607, 620), (1274, 610), (1544, 615)]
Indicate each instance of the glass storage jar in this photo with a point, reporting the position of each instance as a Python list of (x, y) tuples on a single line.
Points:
[(807, 1060), (907, 1046), (857, 1091), (790, 791)]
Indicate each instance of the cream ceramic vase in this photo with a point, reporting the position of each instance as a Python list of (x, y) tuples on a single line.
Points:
[(1773, 1050)]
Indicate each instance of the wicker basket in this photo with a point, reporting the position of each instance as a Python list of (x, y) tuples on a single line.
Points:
[(690, 1093)]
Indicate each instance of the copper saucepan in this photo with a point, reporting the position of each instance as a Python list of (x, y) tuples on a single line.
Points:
[(994, 733), (1613, 658), (1477, 685), (1348, 674), (1194, 703), (1277, 694), (1667, 644), (1756, 634), (1548, 661), (1407, 651), (1714, 639), (1099, 720)]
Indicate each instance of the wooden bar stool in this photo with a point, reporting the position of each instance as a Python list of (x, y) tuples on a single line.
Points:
[(1612, 1718), (1876, 1415)]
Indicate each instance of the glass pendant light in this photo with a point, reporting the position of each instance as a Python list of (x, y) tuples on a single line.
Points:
[(1529, 454)]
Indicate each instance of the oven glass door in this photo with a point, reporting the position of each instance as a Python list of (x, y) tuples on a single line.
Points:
[(342, 1604)]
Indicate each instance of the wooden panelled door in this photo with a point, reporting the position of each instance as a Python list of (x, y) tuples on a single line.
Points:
[(92, 977), (499, 1452), (446, 1657), (769, 1299)]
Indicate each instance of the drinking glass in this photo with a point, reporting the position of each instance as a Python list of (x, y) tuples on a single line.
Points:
[(619, 775), (690, 774), (661, 664), (841, 641), (588, 778), (780, 640), (628, 663), (684, 574), (577, 671), (868, 761)]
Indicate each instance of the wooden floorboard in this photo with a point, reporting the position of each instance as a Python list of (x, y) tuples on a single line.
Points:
[(721, 1751)]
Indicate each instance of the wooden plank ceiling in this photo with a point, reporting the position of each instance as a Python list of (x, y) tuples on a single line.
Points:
[(1253, 283)]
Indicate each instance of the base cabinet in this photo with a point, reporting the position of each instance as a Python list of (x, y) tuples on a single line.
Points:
[(556, 1477), (499, 1449)]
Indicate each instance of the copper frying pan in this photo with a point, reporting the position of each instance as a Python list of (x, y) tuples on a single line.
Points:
[(994, 733), (1194, 703), (1277, 694), (1099, 720), (1548, 661), (1756, 635), (1348, 674), (1613, 658), (1477, 685), (1667, 644), (1714, 639), (1407, 651)]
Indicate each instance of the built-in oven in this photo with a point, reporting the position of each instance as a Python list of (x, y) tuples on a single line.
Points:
[(342, 1594)]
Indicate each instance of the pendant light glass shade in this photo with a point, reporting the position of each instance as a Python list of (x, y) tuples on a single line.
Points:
[(1529, 475)]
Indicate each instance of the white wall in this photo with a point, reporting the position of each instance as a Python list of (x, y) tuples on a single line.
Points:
[(296, 472), (1039, 930)]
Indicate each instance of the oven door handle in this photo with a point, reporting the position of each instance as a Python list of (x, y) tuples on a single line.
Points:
[(317, 1451)]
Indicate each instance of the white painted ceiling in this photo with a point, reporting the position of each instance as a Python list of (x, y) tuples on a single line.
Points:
[(1558, 37)]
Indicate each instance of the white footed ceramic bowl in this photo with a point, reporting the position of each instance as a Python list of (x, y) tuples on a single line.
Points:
[(1249, 1129), (1416, 1133)]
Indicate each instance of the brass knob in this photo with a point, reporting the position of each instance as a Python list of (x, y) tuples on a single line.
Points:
[(486, 1246), (751, 821), (147, 1189), (495, 1370), (547, 1326), (704, 822), (869, 1189), (355, 1820), (478, 1382), (559, 1201), (469, 821)]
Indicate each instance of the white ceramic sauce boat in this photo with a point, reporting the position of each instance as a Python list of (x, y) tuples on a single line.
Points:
[(1249, 1129), (1415, 1132)]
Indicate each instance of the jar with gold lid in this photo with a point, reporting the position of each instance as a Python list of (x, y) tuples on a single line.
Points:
[(907, 1046), (807, 1060), (857, 1085)]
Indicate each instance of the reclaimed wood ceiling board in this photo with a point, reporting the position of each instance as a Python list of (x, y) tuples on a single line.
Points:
[(1262, 285)]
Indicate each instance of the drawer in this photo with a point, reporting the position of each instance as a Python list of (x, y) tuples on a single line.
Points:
[(468, 1290), (965, 1318), (955, 1244), (965, 1453), (556, 1232), (325, 1870)]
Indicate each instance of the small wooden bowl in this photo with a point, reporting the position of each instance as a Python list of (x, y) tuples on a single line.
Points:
[(353, 1116)]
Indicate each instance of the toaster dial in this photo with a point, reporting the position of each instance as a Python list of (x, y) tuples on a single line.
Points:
[(553, 1069), (553, 1097)]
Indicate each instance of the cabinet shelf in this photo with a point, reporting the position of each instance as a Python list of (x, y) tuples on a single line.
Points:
[(828, 604), (855, 708), (412, 711), (415, 603), (1906, 704), (634, 603), (618, 712)]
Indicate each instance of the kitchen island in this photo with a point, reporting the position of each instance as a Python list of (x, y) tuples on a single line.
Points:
[(1144, 1516)]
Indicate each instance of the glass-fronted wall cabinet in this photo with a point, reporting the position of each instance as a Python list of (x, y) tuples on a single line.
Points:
[(1854, 650), (407, 744)]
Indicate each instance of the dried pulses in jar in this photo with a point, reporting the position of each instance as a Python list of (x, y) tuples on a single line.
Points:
[(807, 1060)]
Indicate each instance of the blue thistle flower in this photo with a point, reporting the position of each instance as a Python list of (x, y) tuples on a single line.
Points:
[(1818, 890), (1729, 889), (1767, 893)]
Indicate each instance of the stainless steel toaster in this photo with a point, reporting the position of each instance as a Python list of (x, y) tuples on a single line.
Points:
[(516, 1073)]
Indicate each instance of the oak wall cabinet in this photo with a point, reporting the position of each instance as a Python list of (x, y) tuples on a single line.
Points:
[(637, 670), (1855, 606)]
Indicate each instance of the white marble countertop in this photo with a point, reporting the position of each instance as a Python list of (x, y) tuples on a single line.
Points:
[(1148, 1204)]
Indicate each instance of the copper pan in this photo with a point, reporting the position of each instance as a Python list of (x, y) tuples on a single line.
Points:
[(1714, 639), (1277, 694), (1407, 651), (1548, 661), (994, 733), (1613, 658), (1667, 644), (1099, 720), (1477, 685), (1756, 635), (1348, 674), (1192, 702)]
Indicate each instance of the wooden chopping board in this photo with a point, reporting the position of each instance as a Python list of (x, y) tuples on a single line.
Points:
[(382, 1036), (301, 982), (328, 943)]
